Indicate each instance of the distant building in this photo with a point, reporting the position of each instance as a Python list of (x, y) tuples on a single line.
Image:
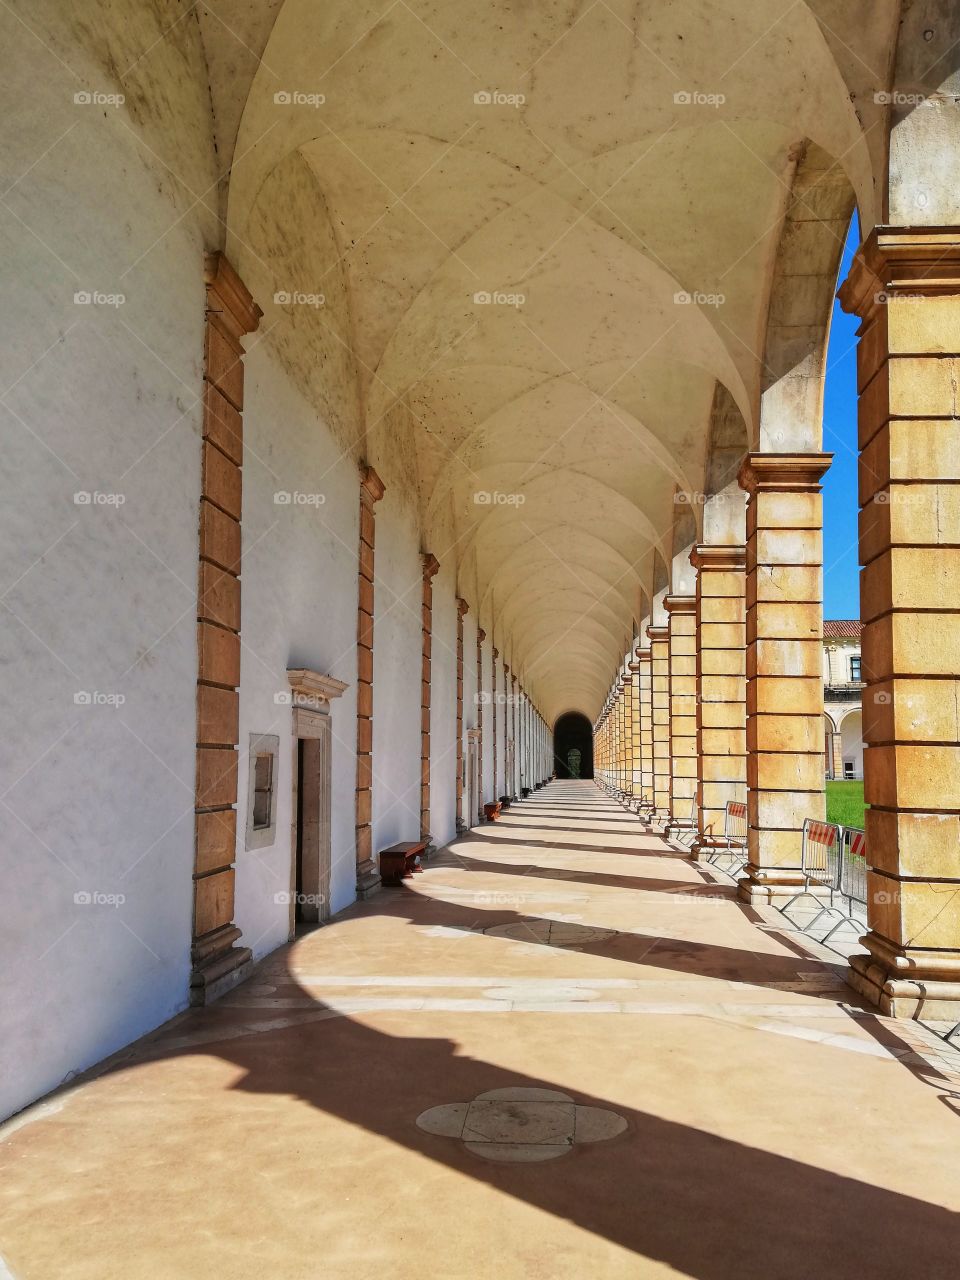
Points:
[(842, 698)]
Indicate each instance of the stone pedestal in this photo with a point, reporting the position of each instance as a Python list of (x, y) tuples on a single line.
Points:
[(905, 286), (721, 689), (784, 634)]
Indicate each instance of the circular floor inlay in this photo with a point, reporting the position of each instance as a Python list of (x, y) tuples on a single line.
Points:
[(521, 1125)]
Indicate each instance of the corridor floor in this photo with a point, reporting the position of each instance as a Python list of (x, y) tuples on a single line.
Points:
[(652, 1080)]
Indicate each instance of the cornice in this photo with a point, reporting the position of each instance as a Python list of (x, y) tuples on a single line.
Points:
[(901, 260), (783, 472), (718, 556), (372, 487)]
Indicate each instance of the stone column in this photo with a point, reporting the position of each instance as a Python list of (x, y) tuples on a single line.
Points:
[(645, 692), (721, 688), (682, 629), (784, 634), (368, 875), (660, 719), (217, 964), (626, 698), (636, 777), (462, 609), (493, 718), (481, 636), (431, 566), (905, 285), (507, 781)]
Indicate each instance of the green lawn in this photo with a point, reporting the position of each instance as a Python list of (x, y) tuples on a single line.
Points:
[(845, 803)]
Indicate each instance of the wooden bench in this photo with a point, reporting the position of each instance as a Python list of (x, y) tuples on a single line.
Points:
[(401, 861)]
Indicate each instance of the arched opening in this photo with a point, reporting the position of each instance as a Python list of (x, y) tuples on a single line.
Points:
[(573, 732)]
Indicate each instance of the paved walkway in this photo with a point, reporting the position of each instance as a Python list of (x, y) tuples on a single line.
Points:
[(563, 1051)]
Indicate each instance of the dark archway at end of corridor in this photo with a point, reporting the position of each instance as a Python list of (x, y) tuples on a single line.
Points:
[(573, 732)]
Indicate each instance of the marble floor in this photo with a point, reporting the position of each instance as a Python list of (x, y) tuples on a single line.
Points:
[(563, 1051)]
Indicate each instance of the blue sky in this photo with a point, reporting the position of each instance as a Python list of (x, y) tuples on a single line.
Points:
[(841, 573)]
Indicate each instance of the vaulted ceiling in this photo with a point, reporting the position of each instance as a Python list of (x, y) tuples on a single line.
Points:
[(617, 177)]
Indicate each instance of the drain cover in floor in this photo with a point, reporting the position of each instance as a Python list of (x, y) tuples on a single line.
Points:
[(521, 1125)]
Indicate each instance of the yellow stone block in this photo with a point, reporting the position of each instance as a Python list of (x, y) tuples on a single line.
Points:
[(784, 658), (914, 913), (792, 771), (787, 620), (923, 845), (784, 733), (923, 388), (913, 777), (785, 695), (784, 582), (930, 324), (787, 510), (789, 547)]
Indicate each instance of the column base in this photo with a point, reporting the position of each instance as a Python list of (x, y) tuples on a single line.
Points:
[(368, 879), (772, 888), (907, 984), (218, 966), (705, 846)]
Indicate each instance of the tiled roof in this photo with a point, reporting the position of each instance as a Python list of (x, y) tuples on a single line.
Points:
[(841, 628)]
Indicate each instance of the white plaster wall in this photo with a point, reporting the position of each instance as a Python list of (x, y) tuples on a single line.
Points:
[(396, 673), (299, 609), (443, 707), (99, 598)]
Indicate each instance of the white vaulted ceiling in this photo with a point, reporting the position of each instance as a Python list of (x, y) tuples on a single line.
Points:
[(598, 198)]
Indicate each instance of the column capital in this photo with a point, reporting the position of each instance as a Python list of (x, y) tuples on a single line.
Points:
[(901, 260), (372, 487), (680, 604), (481, 635), (634, 667), (783, 472), (234, 301), (657, 633), (496, 652), (643, 655), (718, 556), (431, 565), (462, 607)]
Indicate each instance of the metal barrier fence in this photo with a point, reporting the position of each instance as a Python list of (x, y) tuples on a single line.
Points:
[(686, 833), (735, 835)]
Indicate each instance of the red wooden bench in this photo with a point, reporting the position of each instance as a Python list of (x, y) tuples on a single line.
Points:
[(400, 861)]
